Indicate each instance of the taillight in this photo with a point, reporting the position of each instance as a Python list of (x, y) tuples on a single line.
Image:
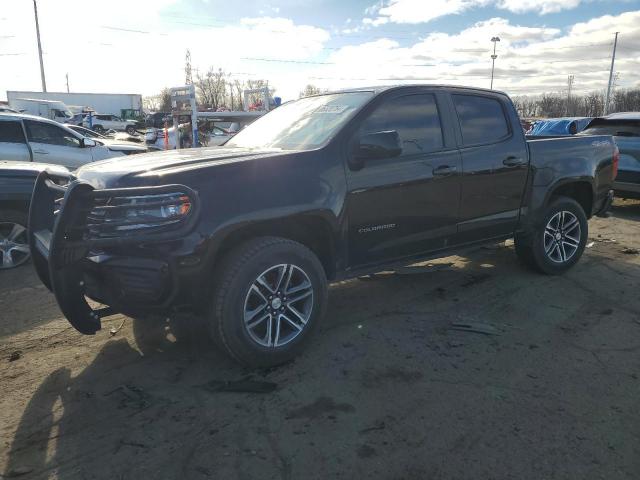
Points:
[(616, 159)]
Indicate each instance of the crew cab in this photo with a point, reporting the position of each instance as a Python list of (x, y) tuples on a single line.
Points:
[(27, 138), (324, 188)]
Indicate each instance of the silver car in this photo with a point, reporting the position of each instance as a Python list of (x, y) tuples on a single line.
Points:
[(28, 138)]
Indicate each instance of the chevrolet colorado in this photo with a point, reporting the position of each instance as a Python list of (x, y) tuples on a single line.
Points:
[(328, 187)]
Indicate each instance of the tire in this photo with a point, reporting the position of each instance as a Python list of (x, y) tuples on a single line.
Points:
[(98, 128), (246, 283), (558, 240), (14, 243), (131, 130)]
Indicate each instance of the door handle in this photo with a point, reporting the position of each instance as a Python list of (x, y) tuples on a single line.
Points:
[(513, 161), (444, 170), (41, 152)]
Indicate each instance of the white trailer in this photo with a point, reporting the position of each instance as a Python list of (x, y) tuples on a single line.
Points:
[(123, 105)]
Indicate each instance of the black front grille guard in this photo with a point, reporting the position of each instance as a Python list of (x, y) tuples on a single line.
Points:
[(59, 240)]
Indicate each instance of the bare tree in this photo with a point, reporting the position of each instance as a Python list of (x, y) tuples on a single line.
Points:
[(211, 88), (309, 90), (158, 103)]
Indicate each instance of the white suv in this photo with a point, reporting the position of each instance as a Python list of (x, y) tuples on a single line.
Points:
[(103, 122)]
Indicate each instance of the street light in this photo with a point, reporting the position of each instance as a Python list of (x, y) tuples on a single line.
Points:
[(493, 57)]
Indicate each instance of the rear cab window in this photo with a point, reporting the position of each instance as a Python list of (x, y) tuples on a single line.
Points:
[(11, 132), (482, 119)]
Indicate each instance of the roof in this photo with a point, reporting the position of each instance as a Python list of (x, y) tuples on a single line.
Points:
[(24, 116), (383, 88)]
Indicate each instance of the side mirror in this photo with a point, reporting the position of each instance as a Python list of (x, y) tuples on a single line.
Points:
[(88, 142), (376, 145)]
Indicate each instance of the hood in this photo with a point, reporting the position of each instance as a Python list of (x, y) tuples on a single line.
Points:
[(121, 145), (140, 169)]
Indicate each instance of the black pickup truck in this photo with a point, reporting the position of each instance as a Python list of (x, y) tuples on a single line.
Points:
[(324, 188)]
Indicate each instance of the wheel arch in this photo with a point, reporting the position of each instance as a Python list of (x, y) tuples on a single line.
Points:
[(311, 230), (579, 190)]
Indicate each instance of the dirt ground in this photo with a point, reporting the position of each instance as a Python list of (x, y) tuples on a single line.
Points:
[(388, 389)]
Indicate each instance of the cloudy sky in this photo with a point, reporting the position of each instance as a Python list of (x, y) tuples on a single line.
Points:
[(138, 46)]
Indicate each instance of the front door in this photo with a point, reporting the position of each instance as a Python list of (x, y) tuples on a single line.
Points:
[(53, 144), (406, 205)]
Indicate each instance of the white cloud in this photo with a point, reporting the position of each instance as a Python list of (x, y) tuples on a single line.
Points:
[(421, 11)]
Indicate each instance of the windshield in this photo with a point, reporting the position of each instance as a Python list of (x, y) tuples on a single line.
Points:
[(301, 125), (617, 128)]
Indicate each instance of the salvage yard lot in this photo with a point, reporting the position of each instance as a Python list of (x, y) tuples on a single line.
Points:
[(545, 386)]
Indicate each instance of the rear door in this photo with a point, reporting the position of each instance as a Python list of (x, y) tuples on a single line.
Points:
[(13, 144), (494, 165), (404, 206), (53, 144)]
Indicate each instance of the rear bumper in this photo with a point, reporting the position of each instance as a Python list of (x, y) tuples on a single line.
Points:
[(124, 273)]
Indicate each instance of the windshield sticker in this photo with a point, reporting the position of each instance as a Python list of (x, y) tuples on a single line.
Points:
[(331, 109)]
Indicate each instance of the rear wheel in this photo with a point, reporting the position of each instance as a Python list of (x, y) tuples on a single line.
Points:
[(131, 130), (98, 129), (558, 240), (271, 294), (14, 241)]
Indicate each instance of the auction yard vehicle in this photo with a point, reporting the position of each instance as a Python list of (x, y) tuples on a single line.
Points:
[(328, 187), (53, 110), (16, 186), (101, 123), (28, 138), (625, 128)]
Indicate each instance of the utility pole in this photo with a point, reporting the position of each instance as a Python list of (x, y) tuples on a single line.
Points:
[(67, 77), (613, 60), (188, 78), (569, 86), (493, 57), (44, 83)]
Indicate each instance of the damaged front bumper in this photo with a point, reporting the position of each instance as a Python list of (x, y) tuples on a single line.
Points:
[(73, 256)]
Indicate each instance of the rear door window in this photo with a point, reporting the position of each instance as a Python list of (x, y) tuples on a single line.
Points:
[(482, 119), (11, 132), (414, 117)]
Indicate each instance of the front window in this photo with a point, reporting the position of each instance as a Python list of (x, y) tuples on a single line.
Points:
[(305, 124)]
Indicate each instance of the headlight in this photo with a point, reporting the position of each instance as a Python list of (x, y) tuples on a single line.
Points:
[(119, 215)]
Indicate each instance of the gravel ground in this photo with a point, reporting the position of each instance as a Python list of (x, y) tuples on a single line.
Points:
[(546, 387)]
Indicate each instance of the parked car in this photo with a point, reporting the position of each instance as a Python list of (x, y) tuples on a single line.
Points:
[(625, 128), (27, 138), (558, 126), (324, 188), (102, 123), (157, 119), (16, 186)]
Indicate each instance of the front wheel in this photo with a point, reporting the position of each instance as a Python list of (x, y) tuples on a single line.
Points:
[(98, 129), (270, 295), (14, 242), (558, 240), (131, 130)]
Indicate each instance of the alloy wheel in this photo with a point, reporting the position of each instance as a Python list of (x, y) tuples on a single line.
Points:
[(278, 305), (562, 237), (14, 245)]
